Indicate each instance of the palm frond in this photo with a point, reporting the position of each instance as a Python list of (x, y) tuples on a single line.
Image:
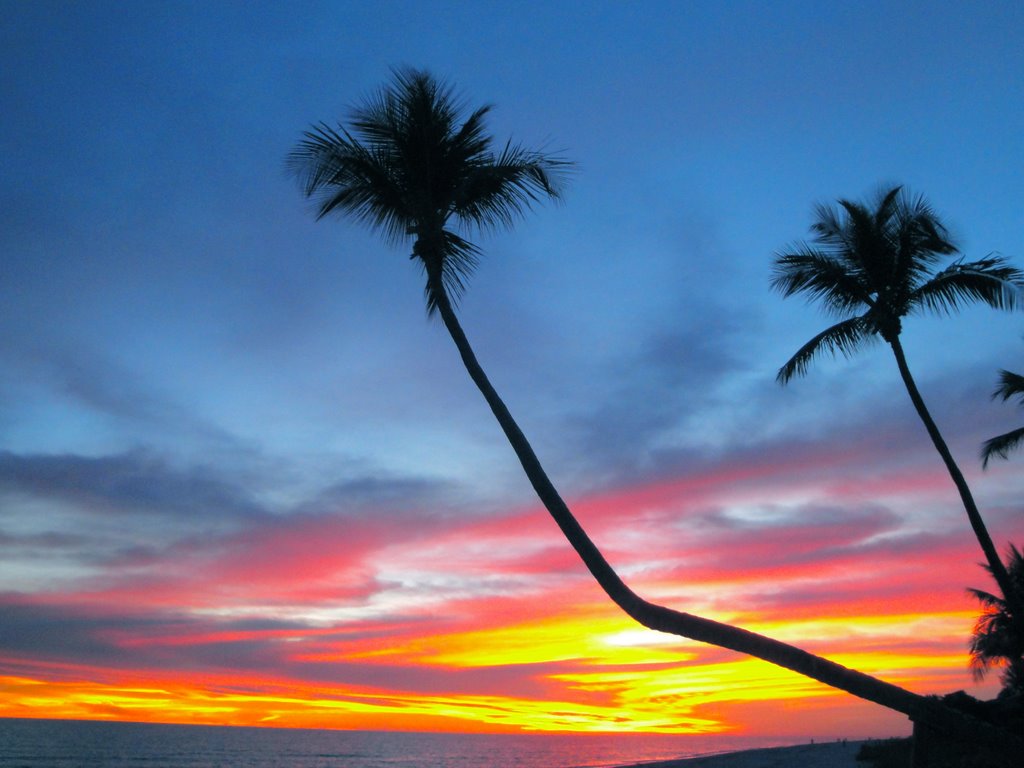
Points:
[(858, 217), (888, 205), (496, 193), (868, 251), (1001, 445), (996, 641), (843, 337), (923, 235), (987, 599), (343, 176), (1010, 385), (821, 276), (919, 240), (414, 109), (991, 281), (830, 230), (461, 258)]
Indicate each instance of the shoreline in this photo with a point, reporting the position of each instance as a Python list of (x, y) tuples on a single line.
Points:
[(834, 754)]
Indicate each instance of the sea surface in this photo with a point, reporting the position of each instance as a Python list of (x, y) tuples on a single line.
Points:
[(93, 744)]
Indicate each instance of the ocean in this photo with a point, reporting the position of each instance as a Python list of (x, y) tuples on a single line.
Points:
[(93, 744)]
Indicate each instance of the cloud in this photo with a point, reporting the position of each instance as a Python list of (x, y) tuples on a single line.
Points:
[(382, 493), (152, 531), (90, 381), (647, 401), (134, 482), (694, 395), (113, 637), (36, 635)]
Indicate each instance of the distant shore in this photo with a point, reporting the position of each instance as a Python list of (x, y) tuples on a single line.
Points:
[(834, 754)]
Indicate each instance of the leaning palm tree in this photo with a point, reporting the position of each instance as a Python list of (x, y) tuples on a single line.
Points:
[(872, 266), (996, 641), (414, 165), (1010, 385)]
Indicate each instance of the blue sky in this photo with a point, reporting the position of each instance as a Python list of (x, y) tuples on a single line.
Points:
[(186, 353)]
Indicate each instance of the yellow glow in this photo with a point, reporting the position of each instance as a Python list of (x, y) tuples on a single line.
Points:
[(848, 629), (347, 710), (613, 676), (593, 638)]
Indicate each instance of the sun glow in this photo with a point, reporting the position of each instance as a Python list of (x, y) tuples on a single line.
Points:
[(422, 641), (593, 670)]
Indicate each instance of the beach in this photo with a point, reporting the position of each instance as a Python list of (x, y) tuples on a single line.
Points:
[(836, 754)]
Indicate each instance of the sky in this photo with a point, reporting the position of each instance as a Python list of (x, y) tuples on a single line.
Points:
[(244, 479)]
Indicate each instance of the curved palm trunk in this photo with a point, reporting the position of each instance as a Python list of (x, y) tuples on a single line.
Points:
[(918, 708), (977, 523)]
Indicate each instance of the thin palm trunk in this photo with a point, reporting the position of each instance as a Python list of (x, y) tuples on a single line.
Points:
[(660, 618), (995, 565)]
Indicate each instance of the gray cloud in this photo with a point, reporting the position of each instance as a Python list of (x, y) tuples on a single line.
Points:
[(134, 482), (35, 633), (672, 378), (384, 493), (39, 632)]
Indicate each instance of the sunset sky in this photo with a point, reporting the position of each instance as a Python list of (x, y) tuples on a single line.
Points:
[(245, 480)]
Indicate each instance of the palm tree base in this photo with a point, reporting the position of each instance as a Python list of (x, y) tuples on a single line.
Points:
[(999, 742)]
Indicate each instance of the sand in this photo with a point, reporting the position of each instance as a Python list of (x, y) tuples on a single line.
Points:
[(828, 755)]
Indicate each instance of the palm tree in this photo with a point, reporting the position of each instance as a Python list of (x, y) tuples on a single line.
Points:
[(1010, 385), (411, 166), (996, 641), (871, 266)]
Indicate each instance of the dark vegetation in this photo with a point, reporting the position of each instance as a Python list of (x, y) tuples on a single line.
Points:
[(997, 642), (888, 753)]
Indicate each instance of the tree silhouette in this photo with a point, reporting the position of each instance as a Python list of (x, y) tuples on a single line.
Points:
[(871, 266), (1010, 385), (996, 641), (413, 167)]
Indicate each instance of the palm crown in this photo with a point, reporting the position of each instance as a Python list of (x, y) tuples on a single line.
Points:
[(412, 165), (873, 267), (996, 640)]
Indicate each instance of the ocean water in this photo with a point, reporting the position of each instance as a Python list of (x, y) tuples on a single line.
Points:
[(87, 744)]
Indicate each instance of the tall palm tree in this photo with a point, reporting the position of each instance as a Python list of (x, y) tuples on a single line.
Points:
[(1010, 385), (872, 266), (995, 641), (413, 165)]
